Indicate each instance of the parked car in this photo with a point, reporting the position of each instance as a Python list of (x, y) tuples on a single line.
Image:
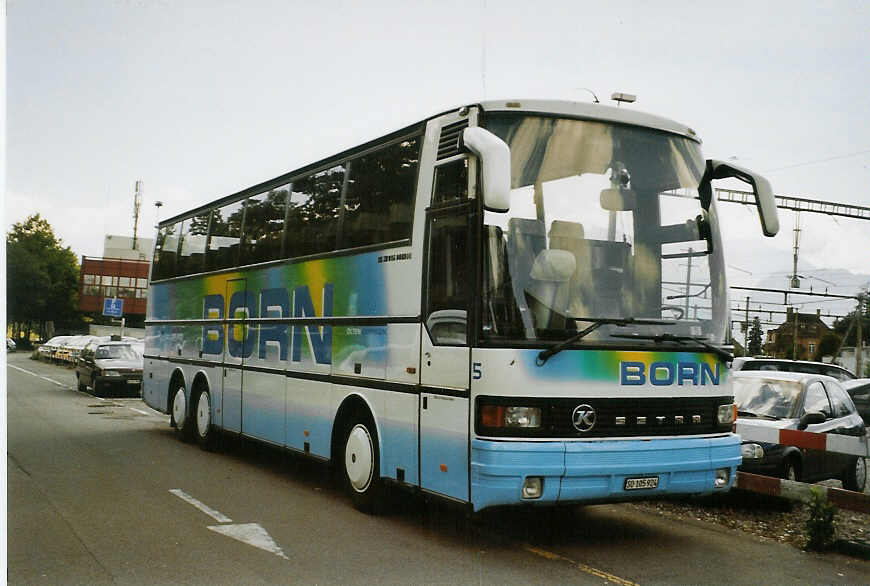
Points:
[(786, 400), (784, 365), (10, 345), (859, 390), (110, 368)]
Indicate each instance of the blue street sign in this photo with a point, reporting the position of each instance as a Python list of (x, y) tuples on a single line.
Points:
[(113, 307)]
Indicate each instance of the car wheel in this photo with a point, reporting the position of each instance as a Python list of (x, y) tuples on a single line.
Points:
[(362, 477), (206, 434), (82, 387), (792, 470), (179, 415), (855, 477)]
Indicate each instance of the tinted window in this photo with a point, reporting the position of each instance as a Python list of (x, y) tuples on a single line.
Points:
[(451, 182), (165, 250), (840, 401), (264, 226), (449, 280), (378, 202), (225, 237), (191, 256), (816, 400), (312, 217)]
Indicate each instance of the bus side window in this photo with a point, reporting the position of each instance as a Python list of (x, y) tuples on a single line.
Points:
[(378, 204), (450, 275), (451, 182), (226, 232), (312, 220), (264, 226), (191, 256), (165, 252)]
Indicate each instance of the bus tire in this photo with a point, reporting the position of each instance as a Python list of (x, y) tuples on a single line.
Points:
[(360, 464), (206, 434), (180, 417)]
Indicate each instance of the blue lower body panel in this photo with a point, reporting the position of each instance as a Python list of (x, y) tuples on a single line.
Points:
[(583, 471)]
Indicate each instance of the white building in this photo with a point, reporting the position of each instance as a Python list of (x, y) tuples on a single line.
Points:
[(115, 246), (848, 356)]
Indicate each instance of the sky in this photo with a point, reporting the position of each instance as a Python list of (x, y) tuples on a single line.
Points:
[(199, 99)]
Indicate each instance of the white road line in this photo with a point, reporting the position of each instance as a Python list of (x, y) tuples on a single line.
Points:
[(38, 375), (216, 515), (138, 411)]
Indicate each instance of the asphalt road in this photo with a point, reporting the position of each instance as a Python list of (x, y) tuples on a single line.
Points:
[(101, 492)]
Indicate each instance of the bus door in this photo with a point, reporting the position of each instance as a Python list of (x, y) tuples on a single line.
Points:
[(234, 354), (445, 352)]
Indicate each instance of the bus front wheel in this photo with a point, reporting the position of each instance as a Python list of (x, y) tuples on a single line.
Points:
[(362, 476), (179, 416)]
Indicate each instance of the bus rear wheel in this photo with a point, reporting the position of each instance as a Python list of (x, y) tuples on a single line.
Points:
[(179, 415), (360, 459), (206, 434)]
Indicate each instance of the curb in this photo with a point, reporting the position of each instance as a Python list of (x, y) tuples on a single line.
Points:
[(852, 548)]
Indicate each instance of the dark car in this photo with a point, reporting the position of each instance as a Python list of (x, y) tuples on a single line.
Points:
[(786, 400), (859, 390), (784, 365), (110, 369)]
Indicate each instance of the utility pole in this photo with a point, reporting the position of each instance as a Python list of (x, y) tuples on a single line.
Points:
[(795, 282), (137, 203), (794, 336), (746, 330), (859, 345)]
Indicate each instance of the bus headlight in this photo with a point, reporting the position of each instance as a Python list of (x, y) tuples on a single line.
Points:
[(726, 414), (510, 416)]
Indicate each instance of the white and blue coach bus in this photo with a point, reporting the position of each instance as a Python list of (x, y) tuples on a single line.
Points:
[(511, 302)]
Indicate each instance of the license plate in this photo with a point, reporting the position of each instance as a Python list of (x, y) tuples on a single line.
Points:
[(641, 483), (133, 381)]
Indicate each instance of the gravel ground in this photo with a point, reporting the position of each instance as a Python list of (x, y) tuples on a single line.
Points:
[(767, 517)]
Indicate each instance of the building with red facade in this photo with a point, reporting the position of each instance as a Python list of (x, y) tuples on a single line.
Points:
[(102, 278)]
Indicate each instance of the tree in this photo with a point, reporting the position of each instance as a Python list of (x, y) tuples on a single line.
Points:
[(846, 327), (828, 346), (42, 278), (754, 344)]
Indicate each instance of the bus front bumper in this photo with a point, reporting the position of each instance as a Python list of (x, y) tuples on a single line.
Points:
[(602, 470)]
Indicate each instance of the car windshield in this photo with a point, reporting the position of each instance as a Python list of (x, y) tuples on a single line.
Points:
[(766, 397), (604, 222), (115, 352)]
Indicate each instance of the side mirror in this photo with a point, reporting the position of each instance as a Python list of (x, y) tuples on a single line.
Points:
[(764, 197), (495, 162), (811, 419)]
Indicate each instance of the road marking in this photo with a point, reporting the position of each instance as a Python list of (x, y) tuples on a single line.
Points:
[(216, 515), (582, 567), (138, 410), (252, 534), (38, 375)]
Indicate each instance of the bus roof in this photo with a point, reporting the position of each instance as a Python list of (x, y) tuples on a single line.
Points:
[(580, 110), (590, 111)]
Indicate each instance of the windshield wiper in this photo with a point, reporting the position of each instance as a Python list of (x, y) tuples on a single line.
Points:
[(723, 354), (597, 322)]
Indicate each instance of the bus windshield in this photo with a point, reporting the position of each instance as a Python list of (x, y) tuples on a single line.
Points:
[(605, 223)]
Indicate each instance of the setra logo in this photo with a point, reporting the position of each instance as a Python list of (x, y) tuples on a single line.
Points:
[(583, 418)]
